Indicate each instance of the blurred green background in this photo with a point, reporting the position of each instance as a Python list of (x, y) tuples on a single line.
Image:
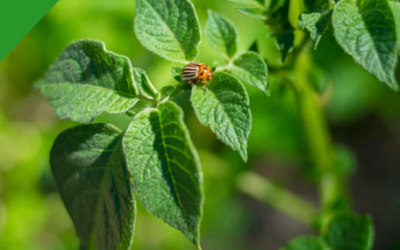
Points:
[(363, 114)]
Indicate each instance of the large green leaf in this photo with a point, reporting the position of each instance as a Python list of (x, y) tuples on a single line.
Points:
[(144, 85), (221, 34), (165, 168), (90, 171), (349, 232), (366, 30), (251, 68), (305, 243), (224, 107), (170, 29), (395, 5), (87, 80)]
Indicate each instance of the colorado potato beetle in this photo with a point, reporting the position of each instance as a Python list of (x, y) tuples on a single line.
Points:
[(194, 72)]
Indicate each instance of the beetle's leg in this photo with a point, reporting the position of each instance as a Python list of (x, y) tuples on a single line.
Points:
[(205, 88)]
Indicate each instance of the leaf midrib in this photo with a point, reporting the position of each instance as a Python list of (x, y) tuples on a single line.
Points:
[(170, 170), (226, 113), (92, 234), (373, 41)]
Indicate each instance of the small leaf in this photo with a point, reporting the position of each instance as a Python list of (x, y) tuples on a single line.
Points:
[(169, 92), (285, 41), (90, 171), (305, 243), (221, 34), (349, 232), (395, 5), (316, 23), (144, 85), (165, 168), (255, 11), (251, 68), (170, 29), (224, 107), (366, 30), (87, 80)]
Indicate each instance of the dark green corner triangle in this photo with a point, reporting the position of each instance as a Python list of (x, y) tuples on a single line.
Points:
[(17, 18)]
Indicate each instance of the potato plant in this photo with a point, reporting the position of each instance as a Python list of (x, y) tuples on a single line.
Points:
[(101, 171)]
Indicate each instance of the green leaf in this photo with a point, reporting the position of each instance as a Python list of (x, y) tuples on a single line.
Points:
[(366, 30), (349, 232), (224, 107), (144, 85), (305, 243), (165, 168), (92, 177), (170, 29), (176, 74), (316, 23), (251, 68), (395, 5), (255, 11), (87, 80), (169, 92), (221, 34)]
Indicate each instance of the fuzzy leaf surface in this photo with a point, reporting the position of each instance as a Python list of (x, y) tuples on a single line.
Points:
[(366, 30), (251, 69), (165, 168), (170, 29), (87, 80), (92, 177), (224, 107), (221, 34)]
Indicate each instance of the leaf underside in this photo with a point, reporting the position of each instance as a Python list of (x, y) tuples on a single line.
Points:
[(165, 168), (87, 80), (90, 171), (366, 30), (224, 107), (170, 29)]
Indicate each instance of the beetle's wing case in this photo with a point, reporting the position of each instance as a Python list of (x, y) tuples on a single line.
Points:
[(191, 71)]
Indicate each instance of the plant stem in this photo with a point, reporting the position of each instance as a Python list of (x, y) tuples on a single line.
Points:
[(331, 184), (277, 197)]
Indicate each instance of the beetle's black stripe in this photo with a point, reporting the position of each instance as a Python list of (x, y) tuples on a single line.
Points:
[(191, 71)]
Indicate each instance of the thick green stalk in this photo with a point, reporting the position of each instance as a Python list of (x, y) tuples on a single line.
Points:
[(331, 184)]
